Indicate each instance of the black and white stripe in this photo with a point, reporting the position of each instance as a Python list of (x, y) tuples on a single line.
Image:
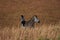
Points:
[(30, 22)]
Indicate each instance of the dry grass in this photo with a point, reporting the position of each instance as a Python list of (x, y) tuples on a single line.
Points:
[(44, 32), (48, 12)]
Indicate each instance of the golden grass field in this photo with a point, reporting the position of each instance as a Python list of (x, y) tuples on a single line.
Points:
[(48, 11), (44, 32)]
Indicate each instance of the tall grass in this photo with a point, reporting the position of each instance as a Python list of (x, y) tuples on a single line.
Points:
[(44, 32)]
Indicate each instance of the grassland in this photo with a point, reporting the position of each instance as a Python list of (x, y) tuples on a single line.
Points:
[(44, 32), (48, 11)]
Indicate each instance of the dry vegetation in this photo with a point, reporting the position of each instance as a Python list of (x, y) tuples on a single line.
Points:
[(44, 32), (48, 11)]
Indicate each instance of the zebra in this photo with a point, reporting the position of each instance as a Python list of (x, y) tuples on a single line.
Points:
[(30, 22)]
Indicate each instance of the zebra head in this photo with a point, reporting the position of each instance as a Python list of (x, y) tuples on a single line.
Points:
[(36, 19)]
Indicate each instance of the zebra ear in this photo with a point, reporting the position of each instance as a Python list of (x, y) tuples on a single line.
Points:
[(35, 15), (22, 16)]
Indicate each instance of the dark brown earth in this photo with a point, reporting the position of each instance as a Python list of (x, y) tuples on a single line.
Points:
[(48, 11)]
